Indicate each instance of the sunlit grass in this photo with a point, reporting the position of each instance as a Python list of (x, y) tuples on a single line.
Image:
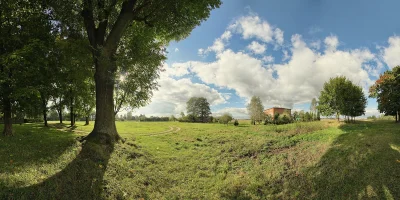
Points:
[(317, 160)]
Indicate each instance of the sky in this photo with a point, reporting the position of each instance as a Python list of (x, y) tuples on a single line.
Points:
[(282, 51)]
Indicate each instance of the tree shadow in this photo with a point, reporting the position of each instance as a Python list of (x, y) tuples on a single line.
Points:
[(362, 163), (80, 179), (33, 144)]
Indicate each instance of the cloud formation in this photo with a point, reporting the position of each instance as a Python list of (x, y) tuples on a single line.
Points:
[(294, 78)]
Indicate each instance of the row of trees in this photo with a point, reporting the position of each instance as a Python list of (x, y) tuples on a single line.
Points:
[(387, 92), (79, 54)]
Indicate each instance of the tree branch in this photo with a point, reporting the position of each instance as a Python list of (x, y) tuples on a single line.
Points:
[(124, 18), (87, 14)]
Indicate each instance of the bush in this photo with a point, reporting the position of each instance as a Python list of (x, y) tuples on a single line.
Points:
[(285, 119), (268, 119), (236, 123)]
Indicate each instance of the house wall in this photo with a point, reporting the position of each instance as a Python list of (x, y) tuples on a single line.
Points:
[(273, 111)]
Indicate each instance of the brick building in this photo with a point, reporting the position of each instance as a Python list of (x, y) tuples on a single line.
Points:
[(281, 111)]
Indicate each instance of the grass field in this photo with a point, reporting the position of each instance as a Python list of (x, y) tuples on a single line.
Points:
[(171, 160)]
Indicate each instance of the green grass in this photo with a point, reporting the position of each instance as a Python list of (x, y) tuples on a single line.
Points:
[(317, 160)]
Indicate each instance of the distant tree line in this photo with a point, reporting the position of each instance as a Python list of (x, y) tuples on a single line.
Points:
[(143, 118)]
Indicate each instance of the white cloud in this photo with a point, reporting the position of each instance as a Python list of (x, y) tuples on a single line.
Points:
[(268, 59), (316, 44), (176, 49), (237, 113), (391, 54), (226, 35), (278, 34), (218, 45), (256, 47), (297, 81), (371, 112), (331, 43), (226, 96), (286, 55), (172, 95), (252, 26), (200, 52)]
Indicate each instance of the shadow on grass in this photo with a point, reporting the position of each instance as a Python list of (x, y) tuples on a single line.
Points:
[(33, 144), (80, 179), (363, 163)]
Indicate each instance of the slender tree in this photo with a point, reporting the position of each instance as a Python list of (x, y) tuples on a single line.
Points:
[(256, 109)]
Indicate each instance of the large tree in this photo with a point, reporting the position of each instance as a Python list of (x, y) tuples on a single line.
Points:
[(142, 26), (256, 109), (198, 109), (340, 96), (386, 90)]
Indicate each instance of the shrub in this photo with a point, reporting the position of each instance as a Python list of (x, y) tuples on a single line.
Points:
[(285, 119), (236, 123), (276, 118)]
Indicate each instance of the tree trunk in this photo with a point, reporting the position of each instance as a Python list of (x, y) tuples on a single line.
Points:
[(104, 131), (44, 111), (396, 118), (60, 116), (337, 115), (87, 121), (7, 110), (71, 110), (45, 117)]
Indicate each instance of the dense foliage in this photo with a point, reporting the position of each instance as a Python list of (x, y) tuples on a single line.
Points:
[(340, 96), (198, 110), (387, 92)]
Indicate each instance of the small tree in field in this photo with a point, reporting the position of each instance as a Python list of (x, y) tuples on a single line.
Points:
[(225, 118), (236, 123)]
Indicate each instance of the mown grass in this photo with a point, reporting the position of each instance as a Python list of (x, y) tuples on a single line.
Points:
[(317, 160)]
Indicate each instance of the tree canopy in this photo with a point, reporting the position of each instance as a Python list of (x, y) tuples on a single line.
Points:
[(124, 37), (341, 97), (198, 109), (386, 90)]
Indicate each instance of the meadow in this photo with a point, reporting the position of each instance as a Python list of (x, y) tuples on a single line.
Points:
[(172, 160)]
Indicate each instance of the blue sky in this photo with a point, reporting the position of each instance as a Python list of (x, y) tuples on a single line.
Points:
[(282, 51)]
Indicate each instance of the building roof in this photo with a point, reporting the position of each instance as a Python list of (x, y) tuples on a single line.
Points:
[(279, 107)]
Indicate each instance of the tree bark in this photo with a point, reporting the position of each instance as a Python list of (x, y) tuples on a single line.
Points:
[(7, 110), (87, 121), (60, 116), (104, 130), (71, 110), (44, 109)]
